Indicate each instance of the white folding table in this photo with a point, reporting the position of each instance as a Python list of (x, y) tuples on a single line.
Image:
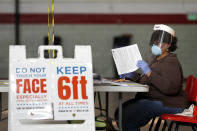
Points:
[(4, 86), (135, 87)]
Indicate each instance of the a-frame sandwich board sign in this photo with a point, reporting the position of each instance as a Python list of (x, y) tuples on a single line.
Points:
[(47, 94)]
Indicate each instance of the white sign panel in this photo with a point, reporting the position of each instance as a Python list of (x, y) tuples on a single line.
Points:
[(45, 93)]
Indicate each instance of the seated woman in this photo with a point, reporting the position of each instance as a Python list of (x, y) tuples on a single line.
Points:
[(164, 76)]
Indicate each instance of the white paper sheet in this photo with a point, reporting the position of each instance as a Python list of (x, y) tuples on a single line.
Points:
[(126, 58)]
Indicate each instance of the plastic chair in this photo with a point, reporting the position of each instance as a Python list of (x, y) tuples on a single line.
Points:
[(189, 85), (191, 90)]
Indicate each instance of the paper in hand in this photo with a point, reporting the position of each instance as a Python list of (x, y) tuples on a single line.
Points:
[(126, 58)]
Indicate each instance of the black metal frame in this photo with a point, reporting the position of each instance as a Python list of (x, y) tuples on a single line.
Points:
[(100, 108), (157, 125), (0, 106), (192, 125), (17, 22)]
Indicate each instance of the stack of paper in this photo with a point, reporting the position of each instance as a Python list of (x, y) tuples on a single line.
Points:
[(126, 58)]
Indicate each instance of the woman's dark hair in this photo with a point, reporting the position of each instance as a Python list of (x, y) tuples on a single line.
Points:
[(167, 38), (173, 46)]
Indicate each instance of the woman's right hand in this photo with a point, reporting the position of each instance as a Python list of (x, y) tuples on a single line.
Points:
[(129, 75)]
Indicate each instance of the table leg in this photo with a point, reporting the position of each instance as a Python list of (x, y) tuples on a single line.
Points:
[(120, 111), (100, 104), (107, 104), (0, 106)]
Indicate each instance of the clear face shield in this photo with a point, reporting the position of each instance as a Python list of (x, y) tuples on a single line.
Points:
[(158, 40)]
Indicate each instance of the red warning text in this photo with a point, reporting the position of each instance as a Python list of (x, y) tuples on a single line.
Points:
[(66, 83), (31, 86)]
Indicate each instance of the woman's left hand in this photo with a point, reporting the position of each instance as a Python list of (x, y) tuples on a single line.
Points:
[(144, 66)]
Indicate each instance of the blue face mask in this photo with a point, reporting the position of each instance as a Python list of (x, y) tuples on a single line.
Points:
[(156, 50)]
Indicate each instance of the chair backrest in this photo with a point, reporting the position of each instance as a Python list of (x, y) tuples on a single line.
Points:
[(191, 91), (194, 92), (189, 86), (194, 97)]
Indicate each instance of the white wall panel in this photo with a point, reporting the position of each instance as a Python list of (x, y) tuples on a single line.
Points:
[(6, 39), (29, 6), (111, 7), (190, 7), (63, 7), (109, 0), (7, 7), (148, 8)]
